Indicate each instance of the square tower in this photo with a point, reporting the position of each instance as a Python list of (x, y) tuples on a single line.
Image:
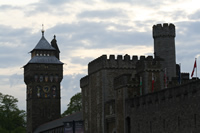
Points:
[(42, 76)]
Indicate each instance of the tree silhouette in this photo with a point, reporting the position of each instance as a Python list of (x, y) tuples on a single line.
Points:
[(74, 105)]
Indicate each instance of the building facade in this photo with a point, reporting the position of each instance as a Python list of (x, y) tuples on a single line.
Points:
[(42, 76), (127, 94)]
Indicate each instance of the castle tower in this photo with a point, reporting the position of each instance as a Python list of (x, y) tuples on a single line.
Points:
[(164, 47), (42, 76)]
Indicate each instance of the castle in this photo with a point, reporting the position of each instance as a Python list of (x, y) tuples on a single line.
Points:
[(125, 94), (122, 94)]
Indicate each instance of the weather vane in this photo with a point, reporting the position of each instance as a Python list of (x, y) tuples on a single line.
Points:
[(42, 30)]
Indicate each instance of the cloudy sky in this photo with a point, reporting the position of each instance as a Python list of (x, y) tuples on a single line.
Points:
[(86, 29)]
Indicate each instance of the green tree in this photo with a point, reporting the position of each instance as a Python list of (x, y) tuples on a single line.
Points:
[(74, 105), (12, 120)]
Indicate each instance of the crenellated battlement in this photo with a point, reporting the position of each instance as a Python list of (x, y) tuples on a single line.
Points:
[(84, 81), (165, 30), (117, 62), (170, 94), (112, 62), (149, 64)]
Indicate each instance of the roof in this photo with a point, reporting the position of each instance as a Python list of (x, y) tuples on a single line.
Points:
[(43, 44), (59, 122), (45, 59)]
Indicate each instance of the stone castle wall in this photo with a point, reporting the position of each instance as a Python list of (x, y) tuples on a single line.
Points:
[(98, 87), (169, 110)]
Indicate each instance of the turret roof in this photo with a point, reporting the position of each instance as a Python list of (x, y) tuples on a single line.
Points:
[(43, 44)]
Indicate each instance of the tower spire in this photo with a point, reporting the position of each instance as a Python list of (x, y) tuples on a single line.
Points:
[(42, 30)]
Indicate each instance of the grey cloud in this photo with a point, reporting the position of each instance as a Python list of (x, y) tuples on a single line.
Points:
[(82, 61), (61, 2), (195, 16), (137, 2), (56, 2), (100, 37), (103, 14), (12, 59), (54, 7), (15, 79), (9, 7), (42, 7), (149, 3), (72, 82), (187, 43), (188, 31), (15, 45), (70, 86)]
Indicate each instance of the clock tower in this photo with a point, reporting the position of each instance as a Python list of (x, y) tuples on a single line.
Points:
[(42, 76)]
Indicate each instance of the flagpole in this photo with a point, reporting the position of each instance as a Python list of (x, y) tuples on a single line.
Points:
[(196, 67), (180, 73)]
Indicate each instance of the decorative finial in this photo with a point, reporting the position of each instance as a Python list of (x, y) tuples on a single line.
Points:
[(42, 30)]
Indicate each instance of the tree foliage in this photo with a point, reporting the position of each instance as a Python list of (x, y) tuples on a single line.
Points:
[(12, 120), (74, 105)]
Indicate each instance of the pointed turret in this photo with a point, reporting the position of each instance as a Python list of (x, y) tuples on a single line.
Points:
[(54, 45), (44, 52)]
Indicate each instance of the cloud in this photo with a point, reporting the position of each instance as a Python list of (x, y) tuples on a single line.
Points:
[(14, 46), (148, 3), (15, 79), (82, 35), (195, 15), (79, 60), (9, 7), (70, 86), (102, 14)]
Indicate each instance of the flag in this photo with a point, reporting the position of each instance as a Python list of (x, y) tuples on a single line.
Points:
[(152, 82), (140, 85), (195, 65), (165, 77)]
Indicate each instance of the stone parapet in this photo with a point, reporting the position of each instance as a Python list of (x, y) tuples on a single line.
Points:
[(165, 30), (121, 62), (102, 62), (169, 94)]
